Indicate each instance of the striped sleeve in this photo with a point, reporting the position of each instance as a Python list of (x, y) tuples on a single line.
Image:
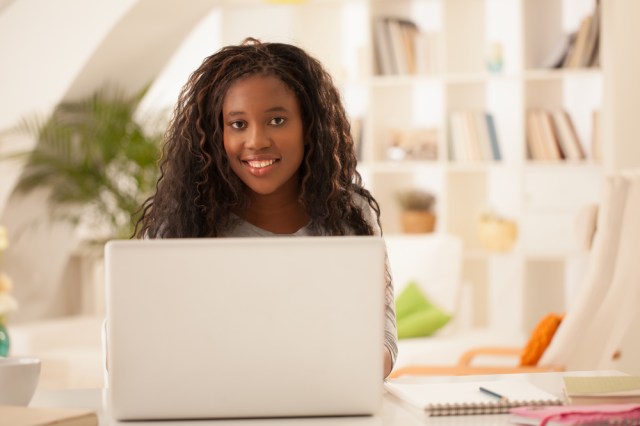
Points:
[(390, 328)]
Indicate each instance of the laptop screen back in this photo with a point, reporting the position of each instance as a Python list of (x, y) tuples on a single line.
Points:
[(245, 327)]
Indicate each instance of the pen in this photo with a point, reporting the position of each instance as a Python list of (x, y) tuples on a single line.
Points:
[(493, 394)]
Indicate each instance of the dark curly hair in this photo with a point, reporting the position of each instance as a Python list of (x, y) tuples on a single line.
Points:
[(197, 190)]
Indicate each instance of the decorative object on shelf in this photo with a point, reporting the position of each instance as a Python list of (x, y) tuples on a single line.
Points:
[(97, 160), (495, 57), (497, 233), (7, 301), (415, 144), (418, 214)]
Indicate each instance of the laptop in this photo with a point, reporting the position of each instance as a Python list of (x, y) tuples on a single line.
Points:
[(244, 327)]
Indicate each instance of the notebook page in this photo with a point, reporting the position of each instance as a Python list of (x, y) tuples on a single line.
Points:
[(466, 397)]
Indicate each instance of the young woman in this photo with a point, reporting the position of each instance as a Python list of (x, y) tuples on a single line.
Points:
[(259, 145)]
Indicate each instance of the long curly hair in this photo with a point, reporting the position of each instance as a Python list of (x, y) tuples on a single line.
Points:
[(197, 190)]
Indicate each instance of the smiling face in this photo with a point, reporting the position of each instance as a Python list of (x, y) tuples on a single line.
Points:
[(263, 135)]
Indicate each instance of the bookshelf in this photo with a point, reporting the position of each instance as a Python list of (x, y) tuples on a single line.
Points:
[(479, 57)]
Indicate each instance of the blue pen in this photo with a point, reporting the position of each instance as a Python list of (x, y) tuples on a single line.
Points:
[(493, 394)]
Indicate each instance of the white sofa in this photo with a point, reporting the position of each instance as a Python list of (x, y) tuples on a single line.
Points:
[(434, 262)]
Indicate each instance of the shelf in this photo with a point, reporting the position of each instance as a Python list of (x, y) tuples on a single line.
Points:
[(413, 111), (560, 73)]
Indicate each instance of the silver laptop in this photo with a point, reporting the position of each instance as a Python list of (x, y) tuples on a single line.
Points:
[(244, 327)]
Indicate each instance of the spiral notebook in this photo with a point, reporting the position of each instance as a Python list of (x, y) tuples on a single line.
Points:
[(467, 398)]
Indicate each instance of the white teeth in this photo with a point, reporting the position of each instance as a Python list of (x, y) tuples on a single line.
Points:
[(260, 164)]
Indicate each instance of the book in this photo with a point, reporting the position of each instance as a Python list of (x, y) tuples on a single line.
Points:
[(384, 54), (535, 141), (549, 136), (473, 137), (484, 143), (467, 398), (574, 58), (600, 414), (410, 32), (36, 416), (567, 136), (396, 43), (592, 39), (458, 137), (493, 136), (602, 389)]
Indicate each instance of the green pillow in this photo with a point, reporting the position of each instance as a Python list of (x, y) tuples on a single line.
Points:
[(416, 315)]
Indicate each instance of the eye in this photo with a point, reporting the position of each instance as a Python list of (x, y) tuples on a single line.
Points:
[(239, 125), (278, 121)]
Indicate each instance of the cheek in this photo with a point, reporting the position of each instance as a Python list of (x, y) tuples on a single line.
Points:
[(227, 143)]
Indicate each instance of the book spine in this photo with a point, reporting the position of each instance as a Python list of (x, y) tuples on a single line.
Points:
[(493, 136)]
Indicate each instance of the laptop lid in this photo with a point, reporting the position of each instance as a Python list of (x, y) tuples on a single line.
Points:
[(244, 327)]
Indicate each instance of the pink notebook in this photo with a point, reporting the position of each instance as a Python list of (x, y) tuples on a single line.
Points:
[(599, 414)]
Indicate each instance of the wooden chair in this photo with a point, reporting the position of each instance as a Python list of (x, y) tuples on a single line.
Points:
[(592, 330)]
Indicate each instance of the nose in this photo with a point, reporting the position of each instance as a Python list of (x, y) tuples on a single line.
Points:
[(258, 138)]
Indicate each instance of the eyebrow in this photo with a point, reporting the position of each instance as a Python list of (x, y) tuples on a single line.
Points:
[(273, 109)]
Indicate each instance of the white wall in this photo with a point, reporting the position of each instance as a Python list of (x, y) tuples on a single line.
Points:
[(621, 102), (43, 46), (61, 50)]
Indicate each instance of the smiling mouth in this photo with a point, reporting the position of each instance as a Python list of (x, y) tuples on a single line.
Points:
[(260, 164)]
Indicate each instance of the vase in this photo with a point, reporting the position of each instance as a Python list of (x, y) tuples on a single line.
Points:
[(4, 340), (498, 235), (418, 221)]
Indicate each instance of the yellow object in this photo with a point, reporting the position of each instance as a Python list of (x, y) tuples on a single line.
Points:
[(497, 234)]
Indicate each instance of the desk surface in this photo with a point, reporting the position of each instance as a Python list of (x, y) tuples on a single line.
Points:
[(392, 413)]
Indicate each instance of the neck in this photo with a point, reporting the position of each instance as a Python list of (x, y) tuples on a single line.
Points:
[(280, 213)]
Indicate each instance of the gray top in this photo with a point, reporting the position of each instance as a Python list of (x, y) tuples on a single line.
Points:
[(246, 229)]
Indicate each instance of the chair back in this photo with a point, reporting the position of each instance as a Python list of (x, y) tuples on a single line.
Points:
[(594, 326)]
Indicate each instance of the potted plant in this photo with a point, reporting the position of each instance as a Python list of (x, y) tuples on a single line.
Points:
[(97, 161), (418, 215)]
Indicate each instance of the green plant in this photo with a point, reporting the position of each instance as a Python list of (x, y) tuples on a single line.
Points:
[(96, 159), (416, 199)]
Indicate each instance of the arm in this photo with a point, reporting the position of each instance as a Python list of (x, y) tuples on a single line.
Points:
[(388, 364), (390, 349)]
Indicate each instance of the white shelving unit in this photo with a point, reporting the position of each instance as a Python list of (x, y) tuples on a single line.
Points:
[(515, 288)]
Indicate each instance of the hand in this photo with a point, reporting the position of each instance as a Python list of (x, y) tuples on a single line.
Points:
[(387, 362)]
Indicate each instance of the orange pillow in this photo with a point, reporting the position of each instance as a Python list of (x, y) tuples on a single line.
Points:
[(540, 339)]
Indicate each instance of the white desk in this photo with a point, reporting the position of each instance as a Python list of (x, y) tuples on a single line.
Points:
[(392, 413)]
